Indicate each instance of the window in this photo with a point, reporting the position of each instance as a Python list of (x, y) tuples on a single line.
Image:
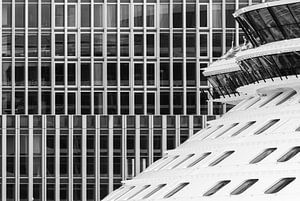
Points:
[(150, 74), (226, 130), (71, 73), (263, 155), (20, 74), (217, 15), (6, 74), (164, 74), (59, 103), (282, 183), (221, 158), (164, 44), (124, 45), (290, 154), (290, 95), (20, 15), (217, 44), (191, 74), (159, 187), (6, 45), (32, 15), (138, 45), (150, 44), (230, 22), (6, 15), (176, 190), (46, 15), (112, 74), (59, 74), (85, 74), (124, 15), (124, 74), (72, 15), (138, 16), (85, 103), (32, 74), (46, 103), (112, 45), (190, 45), (98, 48), (85, 45), (150, 20), (85, 15), (19, 45), (177, 102), (124, 102), (98, 15), (59, 15), (111, 15), (150, 103), (216, 188), (19, 102), (46, 45), (112, 103), (32, 102), (59, 45), (164, 15), (191, 101), (138, 192), (164, 103), (243, 128), (177, 45), (98, 103), (191, 16), (46, 74), (203, 15), (98, 74), (138, 103), (203, 45), (32, 45), (177, 15), (267, 126), (202, 157), (183, 160), (244, 186), (138, 74), (71, 45)]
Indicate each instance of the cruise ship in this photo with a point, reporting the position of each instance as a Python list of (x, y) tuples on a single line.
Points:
[(252, 151)]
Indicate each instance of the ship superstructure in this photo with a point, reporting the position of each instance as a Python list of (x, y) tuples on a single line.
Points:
[(252, 152)]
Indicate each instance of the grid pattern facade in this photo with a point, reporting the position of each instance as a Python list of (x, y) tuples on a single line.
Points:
[(95, 57), (83, 157), (137, 57)]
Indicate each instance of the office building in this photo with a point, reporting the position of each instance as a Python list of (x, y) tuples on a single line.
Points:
[(69, 61)]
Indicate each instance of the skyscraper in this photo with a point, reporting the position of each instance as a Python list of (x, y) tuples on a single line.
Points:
[(94, 91)]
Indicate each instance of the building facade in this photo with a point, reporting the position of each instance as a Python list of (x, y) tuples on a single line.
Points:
[(68, 65)]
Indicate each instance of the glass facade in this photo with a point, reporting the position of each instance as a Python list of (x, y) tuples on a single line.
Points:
[(271, 24), (109, 61)]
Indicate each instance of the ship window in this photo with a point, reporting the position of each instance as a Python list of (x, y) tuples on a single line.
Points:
[(280, 185), (211, 131), (267, 126), (216, 188), (221, 158), (270, 99), (203, 156), (138, 192), (176, 190), (243, 128), (244, 186), (263, 155), (183, 160), (159, 187), (293, 152), (286, 98), (226, 130), (123, 192), (166, 163)]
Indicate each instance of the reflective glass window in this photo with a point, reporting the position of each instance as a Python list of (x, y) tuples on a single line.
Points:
[(6, 15), (191, 15), (19, 74), (204, 16), (150, 74), (124, 15), (59, 74), (138, 103), (190, 45), (59, 103), (85, 15), (32, 15), (98, 103), (124, 45), (112, 15), (177, 15), (46, 74), (46, 15), (19, 45), (20, 15), (177, 45), (85, 45), (98, 48), (138, 74), (124, 103), (32, 74), (164, 103), (85, 103), (164, 16), (72, 15), (124, 74), (85, 74), (112, 45), (98, 15), (6, 74), (138, 16), (71, 45), (71, 73), (33, 45), (112, 74), (59, 45), (164, 44), (138, 45), (46, 45), (6, 45), (112, 103), (150, 18), (98, 74), (150, 40), (178, 103), (59, 15)]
